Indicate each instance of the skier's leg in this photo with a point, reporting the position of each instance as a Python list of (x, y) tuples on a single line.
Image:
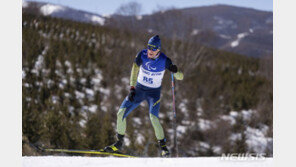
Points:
[(154, 105), (125, 109), (153, 113), (121, 123), (153, 99)]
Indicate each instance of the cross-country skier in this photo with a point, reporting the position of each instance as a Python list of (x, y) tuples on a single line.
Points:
[(145, 84)]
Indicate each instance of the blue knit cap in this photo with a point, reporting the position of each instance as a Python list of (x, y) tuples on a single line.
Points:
[(154, 43)]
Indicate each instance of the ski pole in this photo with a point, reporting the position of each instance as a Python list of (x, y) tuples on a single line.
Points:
[(173, 91), (175, 118)]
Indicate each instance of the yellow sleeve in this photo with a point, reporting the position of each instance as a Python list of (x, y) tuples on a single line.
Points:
[(134, 74)]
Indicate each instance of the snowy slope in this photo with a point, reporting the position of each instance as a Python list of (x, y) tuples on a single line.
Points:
[(53, 10), (53, 161)]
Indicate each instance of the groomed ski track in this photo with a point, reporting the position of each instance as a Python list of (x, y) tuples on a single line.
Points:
[(78, 161)]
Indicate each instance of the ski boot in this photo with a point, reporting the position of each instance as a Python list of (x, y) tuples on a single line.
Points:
[(117, 146), (163, 148)]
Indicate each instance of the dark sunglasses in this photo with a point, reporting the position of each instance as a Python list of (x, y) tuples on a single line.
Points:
[(152, 47)]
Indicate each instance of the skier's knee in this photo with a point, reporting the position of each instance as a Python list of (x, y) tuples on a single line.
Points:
[(154, 113), (153, 117), (120, 112)]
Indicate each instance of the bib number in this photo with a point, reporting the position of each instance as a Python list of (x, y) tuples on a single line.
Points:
[(148, 80)]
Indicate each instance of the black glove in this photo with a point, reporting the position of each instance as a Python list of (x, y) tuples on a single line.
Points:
[(132, 94), (173, 68)]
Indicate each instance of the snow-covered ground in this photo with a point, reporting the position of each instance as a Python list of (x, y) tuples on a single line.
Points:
[(77, 161), (48, 9), (239, 38)]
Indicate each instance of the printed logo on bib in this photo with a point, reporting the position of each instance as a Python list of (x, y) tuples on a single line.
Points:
[(149, 67)]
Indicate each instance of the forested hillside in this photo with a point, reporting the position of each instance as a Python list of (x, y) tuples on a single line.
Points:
[(75, 76), (236, 29)]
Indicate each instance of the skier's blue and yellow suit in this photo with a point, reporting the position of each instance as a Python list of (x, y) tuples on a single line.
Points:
[(146, 77)]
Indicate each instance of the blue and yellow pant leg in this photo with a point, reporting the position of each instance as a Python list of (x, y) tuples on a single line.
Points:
[(121, 122), (125, 109), (154, 106)]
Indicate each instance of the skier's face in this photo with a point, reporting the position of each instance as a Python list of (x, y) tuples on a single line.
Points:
[(152, 54)]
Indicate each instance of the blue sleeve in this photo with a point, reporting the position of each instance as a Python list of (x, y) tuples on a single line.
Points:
[(168, 63), (138, 59)]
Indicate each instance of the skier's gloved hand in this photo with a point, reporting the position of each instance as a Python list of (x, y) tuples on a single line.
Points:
[(173, 68), (179, 75), (132, 94)]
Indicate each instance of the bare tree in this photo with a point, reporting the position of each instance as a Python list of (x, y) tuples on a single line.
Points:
[(129, 9), (128, 12)]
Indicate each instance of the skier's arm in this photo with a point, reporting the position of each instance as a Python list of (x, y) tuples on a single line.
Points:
[(173, 68), (134, 75), (135, 70)]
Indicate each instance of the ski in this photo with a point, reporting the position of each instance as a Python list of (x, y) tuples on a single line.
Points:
[(89, 152)]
